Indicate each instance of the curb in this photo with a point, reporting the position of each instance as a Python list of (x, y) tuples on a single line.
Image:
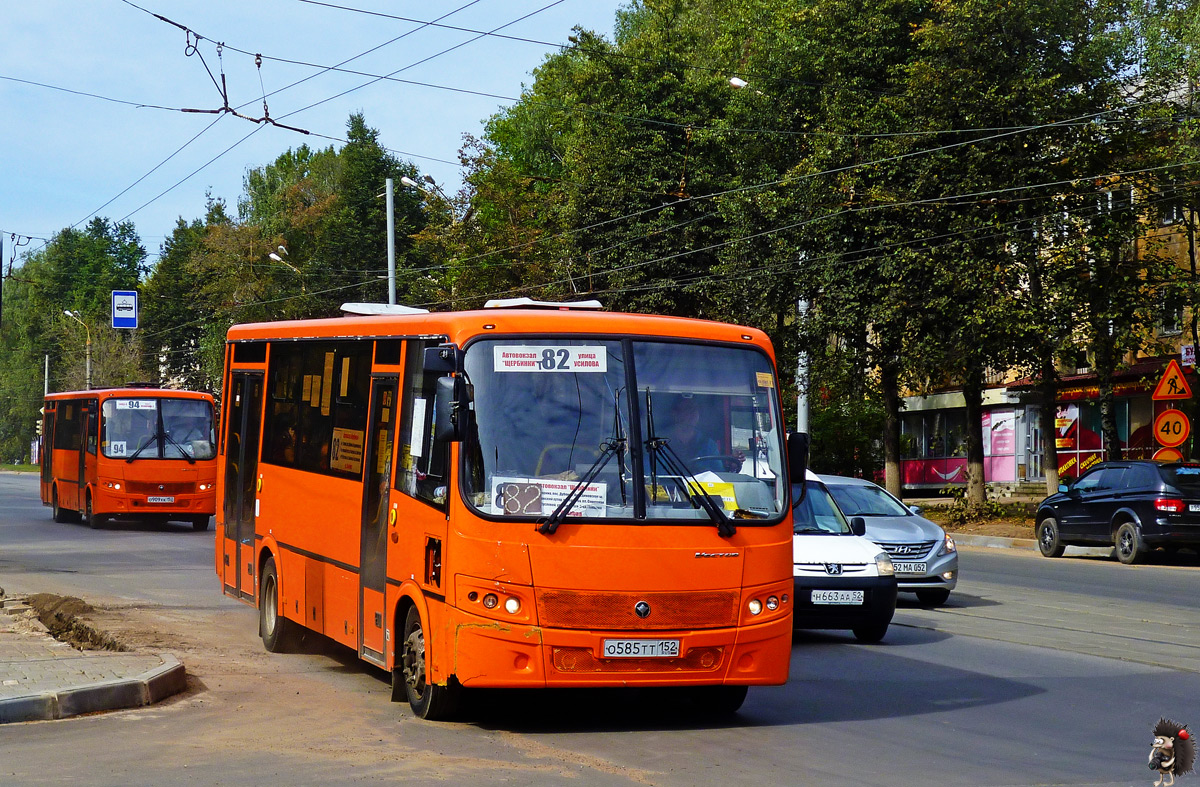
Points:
[(153, 685), (1000, 542)]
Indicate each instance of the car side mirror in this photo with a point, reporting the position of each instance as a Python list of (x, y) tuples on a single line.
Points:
[(915, 509), (451, 409), (858, 526), (1064, 488)]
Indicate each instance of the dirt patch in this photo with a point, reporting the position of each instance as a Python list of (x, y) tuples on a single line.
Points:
[(61, 615), (998, 528)]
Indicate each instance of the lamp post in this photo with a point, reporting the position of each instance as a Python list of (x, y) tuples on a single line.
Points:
[(282, 261), (74, 315)]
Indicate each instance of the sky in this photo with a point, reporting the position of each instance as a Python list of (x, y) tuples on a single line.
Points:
[(90, 93)]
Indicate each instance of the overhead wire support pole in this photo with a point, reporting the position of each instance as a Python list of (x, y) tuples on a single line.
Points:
[(391, 243)]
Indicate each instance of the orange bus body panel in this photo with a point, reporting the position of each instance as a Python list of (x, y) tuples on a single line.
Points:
[(311, 524)]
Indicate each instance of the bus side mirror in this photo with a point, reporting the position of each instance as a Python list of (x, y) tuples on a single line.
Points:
[(797, 454), (443, 359), (451, 409)]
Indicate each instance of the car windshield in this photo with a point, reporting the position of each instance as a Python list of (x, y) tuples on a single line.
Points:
[(817, 513), (654, 424), (1185, 478), (158, 428), (855, 500)]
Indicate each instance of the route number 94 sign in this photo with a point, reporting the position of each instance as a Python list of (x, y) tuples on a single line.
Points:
[(1171, 428)]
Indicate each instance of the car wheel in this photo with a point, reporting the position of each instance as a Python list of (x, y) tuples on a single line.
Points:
[(870, 633), (277, 632), (1130, 548), (934, 597), (1049, 542), (428, 701)]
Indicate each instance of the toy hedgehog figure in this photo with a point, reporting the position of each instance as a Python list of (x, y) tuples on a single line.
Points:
[(1173, 753)]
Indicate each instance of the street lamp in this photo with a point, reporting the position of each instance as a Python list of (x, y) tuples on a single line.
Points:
[(74, 315), (284, 262)]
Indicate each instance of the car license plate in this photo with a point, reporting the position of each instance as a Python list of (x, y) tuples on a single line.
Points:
[(641, 648), (160, 499), (837, 597), (909, 568), (1193, 507)]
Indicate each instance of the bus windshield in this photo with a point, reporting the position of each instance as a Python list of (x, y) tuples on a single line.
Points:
[(553, 418), (154, 428)]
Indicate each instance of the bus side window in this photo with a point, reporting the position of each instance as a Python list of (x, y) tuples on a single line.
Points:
[(422, 460), (93, 425), (67, 434)]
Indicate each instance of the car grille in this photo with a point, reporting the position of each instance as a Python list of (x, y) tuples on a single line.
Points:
[(819, 570), (570, 609), (907, 550)]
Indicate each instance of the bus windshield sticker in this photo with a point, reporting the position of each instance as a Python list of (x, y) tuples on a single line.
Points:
[(115, 448), (565, 358), (135, 404), (347, 451), (765, 379), (540, 496), (416, 439)]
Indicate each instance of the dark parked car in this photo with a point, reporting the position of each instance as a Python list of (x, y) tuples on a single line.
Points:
[(1134, 505)]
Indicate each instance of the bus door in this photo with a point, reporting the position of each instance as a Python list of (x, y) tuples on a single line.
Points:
[(241, 476), (46, 453), (377, 480)]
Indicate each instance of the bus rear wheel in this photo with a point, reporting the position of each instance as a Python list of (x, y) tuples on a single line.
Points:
[(277, 632), (200, 523), (61, 514), (427, 700)]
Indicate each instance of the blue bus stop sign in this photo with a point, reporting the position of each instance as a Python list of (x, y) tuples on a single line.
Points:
[(124, 309)]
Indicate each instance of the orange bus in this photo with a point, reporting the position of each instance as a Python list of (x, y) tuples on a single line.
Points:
[(489, 499), (137, 451)]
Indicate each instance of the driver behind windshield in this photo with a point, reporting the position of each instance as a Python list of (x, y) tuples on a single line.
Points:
[(694, 443)]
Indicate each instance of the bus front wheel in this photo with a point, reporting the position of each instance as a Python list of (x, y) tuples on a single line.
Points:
[(95, 521), (277, 632), (427, 700)]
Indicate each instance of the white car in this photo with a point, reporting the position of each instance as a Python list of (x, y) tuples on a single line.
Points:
[(842, 580), (925, 558)]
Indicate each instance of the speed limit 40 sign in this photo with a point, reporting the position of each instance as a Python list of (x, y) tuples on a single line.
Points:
[(1171, 428)]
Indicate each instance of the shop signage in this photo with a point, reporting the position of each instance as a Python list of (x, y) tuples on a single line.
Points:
[(1173, 384), (1187, 354), (1171, 428)]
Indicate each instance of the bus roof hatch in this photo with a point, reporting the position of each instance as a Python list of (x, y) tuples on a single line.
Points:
[(529, 303)]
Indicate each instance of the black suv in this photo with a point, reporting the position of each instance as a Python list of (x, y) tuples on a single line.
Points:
[(1135, 505)]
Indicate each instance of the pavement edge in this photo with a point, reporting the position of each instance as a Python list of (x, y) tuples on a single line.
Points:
[(151, 686)]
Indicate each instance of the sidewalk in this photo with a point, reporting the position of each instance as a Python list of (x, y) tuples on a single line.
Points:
[(42, 678)]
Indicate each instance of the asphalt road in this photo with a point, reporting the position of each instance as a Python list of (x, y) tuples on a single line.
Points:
[(1037, 672)]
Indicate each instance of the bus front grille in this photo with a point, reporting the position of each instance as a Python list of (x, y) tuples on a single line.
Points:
[(598, 610), (155, 488), (578, 660)]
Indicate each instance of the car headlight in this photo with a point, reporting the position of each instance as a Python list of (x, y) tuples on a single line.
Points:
[(883, 564), (948, 547)]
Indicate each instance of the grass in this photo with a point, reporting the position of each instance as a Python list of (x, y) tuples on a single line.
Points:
[(20, 468)]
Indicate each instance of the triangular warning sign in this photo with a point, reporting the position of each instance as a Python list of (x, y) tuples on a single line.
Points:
[(1173, 384)]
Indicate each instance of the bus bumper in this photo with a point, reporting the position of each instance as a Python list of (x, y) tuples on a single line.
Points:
[(489, 654)]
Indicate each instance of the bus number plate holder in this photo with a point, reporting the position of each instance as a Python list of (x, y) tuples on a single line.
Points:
[(640, 648)]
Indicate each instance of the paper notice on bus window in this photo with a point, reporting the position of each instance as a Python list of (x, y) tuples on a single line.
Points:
[(540, 496), (135, 404), (346, 453), (314, 398), (345, 386), (327, 384), (307, 395), (116, 448), (417, 438), (548, 359), (765, 379)]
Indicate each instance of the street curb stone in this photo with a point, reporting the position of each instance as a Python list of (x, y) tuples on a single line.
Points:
[(151, 686), (1000, 542)]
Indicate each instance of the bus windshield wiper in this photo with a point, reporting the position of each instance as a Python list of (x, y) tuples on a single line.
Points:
[(142, 447), (191, 460), (660, 446), (608, 449)]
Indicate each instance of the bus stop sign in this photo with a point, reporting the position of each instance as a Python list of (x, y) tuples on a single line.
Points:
[(124, 309)]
